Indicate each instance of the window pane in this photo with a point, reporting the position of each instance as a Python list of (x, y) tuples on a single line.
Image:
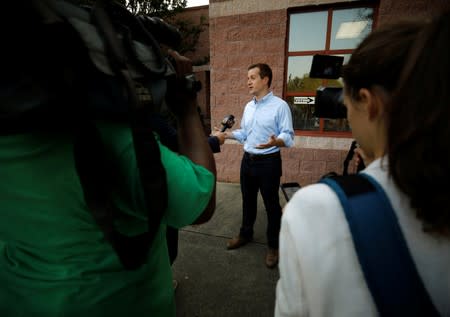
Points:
[(336, 125), (350, 27), (307, 31), (298, 75), (302, 116)]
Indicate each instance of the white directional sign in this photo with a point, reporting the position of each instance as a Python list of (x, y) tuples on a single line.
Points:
[(304, 100)]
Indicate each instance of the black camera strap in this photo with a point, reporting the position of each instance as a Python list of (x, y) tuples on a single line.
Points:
[(132, 251)]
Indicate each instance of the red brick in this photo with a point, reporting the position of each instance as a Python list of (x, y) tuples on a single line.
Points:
[(305, 179), (249, 47), (261, 36), (258, 18), (226, 20), (333, 167), (276, 17), (306, 155)]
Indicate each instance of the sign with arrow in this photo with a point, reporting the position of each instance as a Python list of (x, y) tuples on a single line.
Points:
[(304, 100)]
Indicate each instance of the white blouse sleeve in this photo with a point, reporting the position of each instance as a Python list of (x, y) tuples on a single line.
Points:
[(290, 295)]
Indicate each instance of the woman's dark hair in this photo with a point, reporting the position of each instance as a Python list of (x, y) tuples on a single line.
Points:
[(411, 60), (379, 59), (264, 71), (419, 126)]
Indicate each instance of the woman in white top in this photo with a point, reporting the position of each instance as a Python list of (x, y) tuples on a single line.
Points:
[(397, 94)]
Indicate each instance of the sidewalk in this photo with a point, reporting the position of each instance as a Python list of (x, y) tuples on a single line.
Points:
[(216, 282)]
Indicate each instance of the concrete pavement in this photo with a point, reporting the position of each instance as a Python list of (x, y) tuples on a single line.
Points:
[(214, 281)]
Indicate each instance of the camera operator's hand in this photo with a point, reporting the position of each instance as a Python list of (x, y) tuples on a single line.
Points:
[(183, 65), (219, 135), (180, 99), (192, 141)]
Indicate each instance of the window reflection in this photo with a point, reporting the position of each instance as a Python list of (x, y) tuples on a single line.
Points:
[(336, 125), (298, 79), (302, 116), (308, 31), (307, 36), (350, 27)]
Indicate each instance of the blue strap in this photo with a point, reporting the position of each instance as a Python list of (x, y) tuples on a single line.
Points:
[(385, 260)]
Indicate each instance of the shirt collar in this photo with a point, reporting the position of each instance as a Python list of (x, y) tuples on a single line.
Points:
[(270, 94)]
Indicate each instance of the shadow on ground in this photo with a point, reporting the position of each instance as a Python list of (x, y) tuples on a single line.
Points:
[(217, 282)]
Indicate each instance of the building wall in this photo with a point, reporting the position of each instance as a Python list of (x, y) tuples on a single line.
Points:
[(195, 16), (243, 32)]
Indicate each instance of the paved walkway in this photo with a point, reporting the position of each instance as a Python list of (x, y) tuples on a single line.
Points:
[(216, 282)]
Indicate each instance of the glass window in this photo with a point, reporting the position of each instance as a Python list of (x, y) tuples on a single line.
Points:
[(308, 34), (298, 79), (309, 31), (350, 27), (302, 114)]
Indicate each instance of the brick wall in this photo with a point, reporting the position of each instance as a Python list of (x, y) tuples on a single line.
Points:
[(236, 42), (242, 32), (301, 165), (394, 9)]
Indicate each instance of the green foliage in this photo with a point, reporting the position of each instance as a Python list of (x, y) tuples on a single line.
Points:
[(190, 32), (307, 84), (160, 8)]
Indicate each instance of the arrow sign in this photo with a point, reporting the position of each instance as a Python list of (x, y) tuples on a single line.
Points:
[(304, 100)]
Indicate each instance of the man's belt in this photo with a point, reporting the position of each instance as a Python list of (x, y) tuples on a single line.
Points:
[(255, 157)]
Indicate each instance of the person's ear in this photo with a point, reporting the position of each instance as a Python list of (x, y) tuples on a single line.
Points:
[(370, 103)]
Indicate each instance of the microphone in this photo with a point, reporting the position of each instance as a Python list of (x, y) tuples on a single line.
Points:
[(227, 122)]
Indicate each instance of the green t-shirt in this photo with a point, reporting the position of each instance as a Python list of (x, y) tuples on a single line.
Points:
[(54, 260)]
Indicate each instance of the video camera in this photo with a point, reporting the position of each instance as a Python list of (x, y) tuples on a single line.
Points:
[(91, 64), (329, 100), (154, 33)]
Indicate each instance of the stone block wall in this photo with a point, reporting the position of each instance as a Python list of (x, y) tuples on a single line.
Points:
[(304, 166), (238, 41), (243, 32), (390, 10)]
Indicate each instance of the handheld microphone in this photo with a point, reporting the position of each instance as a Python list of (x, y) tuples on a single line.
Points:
[(227, 122)]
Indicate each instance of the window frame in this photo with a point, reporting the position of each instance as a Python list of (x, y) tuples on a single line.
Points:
[(329, 9)]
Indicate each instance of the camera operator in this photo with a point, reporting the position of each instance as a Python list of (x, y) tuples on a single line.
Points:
[(54, 258), (168, 136)]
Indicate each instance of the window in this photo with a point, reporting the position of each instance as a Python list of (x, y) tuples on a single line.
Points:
[(331, 31)]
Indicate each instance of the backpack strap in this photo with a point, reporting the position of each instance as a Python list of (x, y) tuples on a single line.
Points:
[(388, 268)]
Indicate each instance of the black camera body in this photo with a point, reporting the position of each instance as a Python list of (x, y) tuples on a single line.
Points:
[(329, 100)]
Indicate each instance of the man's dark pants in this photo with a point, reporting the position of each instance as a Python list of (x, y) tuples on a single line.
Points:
[(261, 173)]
